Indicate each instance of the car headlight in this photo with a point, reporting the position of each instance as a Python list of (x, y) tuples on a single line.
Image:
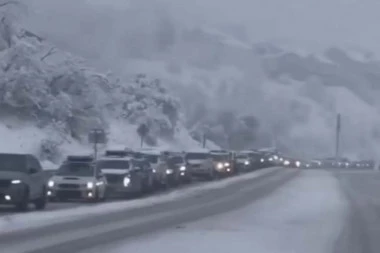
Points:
[(262, 160), (154, 171), (126, 181), (298, 163), (219, 166), (182, 168), (16, 181), (99, 183), (270, 159), (275, 157), (286, 162), (281, 159), (169, 171), (246, 162), (51, 183), (90, 185), (226, 164)]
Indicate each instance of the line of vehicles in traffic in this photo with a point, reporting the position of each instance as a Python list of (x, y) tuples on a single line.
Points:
[(118, 173), (328, 163), (126, 173)]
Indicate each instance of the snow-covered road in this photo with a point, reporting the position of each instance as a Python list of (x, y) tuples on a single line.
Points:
[(82, 228), (306, 214)]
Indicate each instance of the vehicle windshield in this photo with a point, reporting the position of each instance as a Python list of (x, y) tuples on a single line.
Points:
[(76, 169), (196, 156), (242, 156), (176, 159), (112, 164), (10, 162), (217, 157), (151, 158)]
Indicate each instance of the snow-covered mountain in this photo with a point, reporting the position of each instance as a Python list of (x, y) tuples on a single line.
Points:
[(50, 99), (238, 90)]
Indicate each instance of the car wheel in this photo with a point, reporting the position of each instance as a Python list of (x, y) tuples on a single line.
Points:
[(151, 185), (23, 205), (146, 186), (40, 203), (139, 192), (105, 195), (212, 175), (96, 197)]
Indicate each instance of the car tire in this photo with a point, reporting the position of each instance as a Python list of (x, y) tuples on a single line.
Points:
[(151, 184), (147, 187), (96, 198), (40, 203), (105, 195), (212, 175), (139, 192), (23, 205)]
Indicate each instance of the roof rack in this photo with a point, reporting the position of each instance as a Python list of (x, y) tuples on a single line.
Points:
[(119, 153), (80, 158)]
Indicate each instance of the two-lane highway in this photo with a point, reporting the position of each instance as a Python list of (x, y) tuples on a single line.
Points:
[(101, 229), (284, 210)]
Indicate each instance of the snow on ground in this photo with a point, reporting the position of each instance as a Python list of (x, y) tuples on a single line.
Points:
[(22, 221), (305, 215), (18, 137), (26, 138)]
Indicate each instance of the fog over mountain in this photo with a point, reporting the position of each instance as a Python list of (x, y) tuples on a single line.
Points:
[(246, 73)]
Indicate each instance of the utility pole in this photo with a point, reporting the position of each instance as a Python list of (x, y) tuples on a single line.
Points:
[(337, 136)]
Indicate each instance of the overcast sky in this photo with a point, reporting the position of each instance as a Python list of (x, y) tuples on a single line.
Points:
[(306, 22)]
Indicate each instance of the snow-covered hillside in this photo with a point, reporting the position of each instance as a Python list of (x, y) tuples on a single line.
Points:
[(232, 86), (50, 99)]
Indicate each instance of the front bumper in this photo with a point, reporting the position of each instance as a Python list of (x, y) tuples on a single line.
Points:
[(178, 176), (12, 194), (197, 170), (226, 170), (201, 173), (119, 190), (243, 166), (71, 193)]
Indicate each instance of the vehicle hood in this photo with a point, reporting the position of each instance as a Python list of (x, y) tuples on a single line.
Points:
[(72, 179), (195, 162), (115, 171), (221, 161), (13, 175)]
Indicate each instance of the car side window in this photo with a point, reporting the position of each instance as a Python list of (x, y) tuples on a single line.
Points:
[(138, 165), (34, 163), (146, 165)]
